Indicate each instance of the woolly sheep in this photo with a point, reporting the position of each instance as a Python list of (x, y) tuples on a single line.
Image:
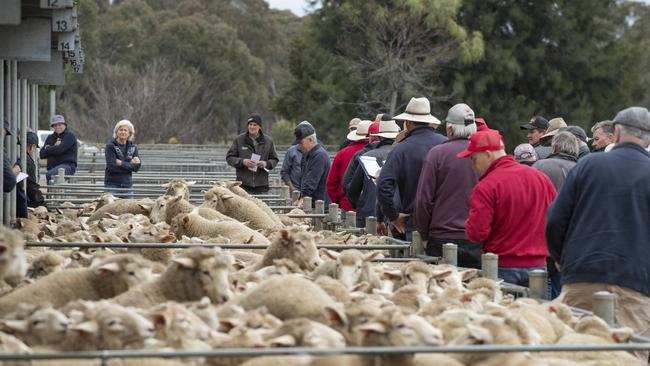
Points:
[(179, 327), (235, 188), (12, 345), (44, 325), (13, 264), (294, 244), (415, 273), (351, 267), (195, 225), (226, 202), (107, 279), (121, 207), (303, 332), (45, 264), (195, 273), (179, 187), (165, 208)]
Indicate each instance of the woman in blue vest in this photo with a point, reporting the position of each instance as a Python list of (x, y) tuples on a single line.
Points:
[(122, 159)]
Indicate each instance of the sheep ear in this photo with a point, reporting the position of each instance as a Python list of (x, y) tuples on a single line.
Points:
[(622, 334), (226, 197), (233, 184), (336, 316), (185, 262), (481, 334), (469, 274), (186, 219), (372, 328), (226, 325), (169, 238), (191, 183), (166, 185), (361, 286), (20, 326), (372, 255), (89, 327), (393, 274), (330, 254), (3, 248), (95, 238), (203, 192), (107, 268), (111, 216), (19, 223), (282, 341), (238, 264), (284, 235), (159, 320), (438, 275), (145, 207), (175, 199)]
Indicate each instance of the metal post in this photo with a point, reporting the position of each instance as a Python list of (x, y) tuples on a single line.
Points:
[(603, 306), (334, 215), (2, 140), (450, 253), (295, 195), (52, 102), (490, 266), (24, 118), (34, 125), (371, 225), (416, 244), (13, 148), (319, 209), (538, 284), (306, 204), (350, 219), (60, 178), (286, 193)]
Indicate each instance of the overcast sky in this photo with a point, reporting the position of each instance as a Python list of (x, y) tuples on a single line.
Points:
[(296, 6)]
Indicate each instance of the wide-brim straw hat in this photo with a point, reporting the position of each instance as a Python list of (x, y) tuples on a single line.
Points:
[(418, 110), (387, 129), (361, 132)]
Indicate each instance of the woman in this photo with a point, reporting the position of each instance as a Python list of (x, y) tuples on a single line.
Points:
[(122, 158)]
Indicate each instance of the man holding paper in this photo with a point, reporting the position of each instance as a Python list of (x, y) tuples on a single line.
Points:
[(253, 155)]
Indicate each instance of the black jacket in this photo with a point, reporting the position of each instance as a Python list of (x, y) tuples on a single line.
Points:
[(63, 153), (315, 166), (120, 174), (9, 177), (243, 148), (34, 195)]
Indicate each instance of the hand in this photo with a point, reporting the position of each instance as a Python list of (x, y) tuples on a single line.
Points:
[(16, 169), (290, 186), (261, 164), (135, 160), (400, 223), (118, 162), (382, 230), (58, 142), (248, 163), (557, 266), (424, 244)]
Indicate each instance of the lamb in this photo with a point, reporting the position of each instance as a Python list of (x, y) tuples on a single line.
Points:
[(107, 279), (303, 332), (195, 225), (13, 264), (235, 188), (165, 208), (195, 273), (297, 245), (351, 267), (415, 273), (42, 326), (179, 327), (226, 202), (12, 345), (45, 264), (179, 187), (121, 207)]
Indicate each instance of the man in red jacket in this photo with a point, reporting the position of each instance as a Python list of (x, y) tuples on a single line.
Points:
[(358, 138), (507, 208)]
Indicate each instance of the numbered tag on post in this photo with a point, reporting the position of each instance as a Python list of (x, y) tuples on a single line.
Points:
[(56, 4), (63, 21), (65, 42)]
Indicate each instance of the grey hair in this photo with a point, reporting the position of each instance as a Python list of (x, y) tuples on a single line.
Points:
[(312, 137), (606, 126), (124, 123), (642, 135), (462, 131), (566, 143)]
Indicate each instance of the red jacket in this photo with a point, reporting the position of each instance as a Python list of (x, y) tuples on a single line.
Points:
[(508, 213), (335, 176)]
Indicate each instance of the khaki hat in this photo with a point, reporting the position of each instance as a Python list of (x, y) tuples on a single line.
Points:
[(554, 126), (418, 110), (354, 123), (387, 128), (361, 132)]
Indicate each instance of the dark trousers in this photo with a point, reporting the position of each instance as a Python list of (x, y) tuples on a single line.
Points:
[(69, 170), (256, 190), (469, 253)]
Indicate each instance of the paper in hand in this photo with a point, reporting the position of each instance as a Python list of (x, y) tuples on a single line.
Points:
[(255, 158), (21, 177), (370, 166)]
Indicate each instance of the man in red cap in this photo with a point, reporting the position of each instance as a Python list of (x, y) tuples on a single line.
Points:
[(507, 208)]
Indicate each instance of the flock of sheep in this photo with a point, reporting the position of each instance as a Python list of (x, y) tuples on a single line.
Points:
[(289, 295)]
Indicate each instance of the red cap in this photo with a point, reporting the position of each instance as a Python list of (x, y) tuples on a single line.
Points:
[(374, 128), (480, 124), (489, 140)]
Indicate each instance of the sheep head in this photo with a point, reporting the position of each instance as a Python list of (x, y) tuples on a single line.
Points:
[(210, 269), (217, 197), (303, 332), (299, 246), (351, 265), (13, 263), (174, 321), (124, 271), (393, 327), (179, 187)]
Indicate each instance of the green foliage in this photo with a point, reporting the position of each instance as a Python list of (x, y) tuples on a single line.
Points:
[(282, 132)]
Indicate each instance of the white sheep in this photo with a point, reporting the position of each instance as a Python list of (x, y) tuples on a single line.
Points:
[(295, 244), (303, 332), (235, 188), (42, 326), (121, 207), (165, 208), (226, 202), (179, 187), (350, 267), (45, 264), (195, 225), (13, 263), (107, 279), (195, 273)]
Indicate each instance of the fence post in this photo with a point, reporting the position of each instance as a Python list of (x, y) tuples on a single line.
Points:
[(603, 306), (490, 266), (334, 215), (60, 178), (450, 253), (306, 204), (350, 219), (538, 284), (371, 225), (319, 209), (286, 193), (416, 244), (295, 195)]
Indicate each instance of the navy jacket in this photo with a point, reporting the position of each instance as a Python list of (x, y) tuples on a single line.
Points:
[(120, 174), (314, 166), (402, 170), (9, 177), (63, 153), (291, 167), (597, 228)]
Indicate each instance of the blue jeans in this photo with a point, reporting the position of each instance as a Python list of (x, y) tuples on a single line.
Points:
[(121, 193), (69, 170), (517, 276)]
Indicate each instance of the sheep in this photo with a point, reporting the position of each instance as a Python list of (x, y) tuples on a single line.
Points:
[(350, 267), (13, 264), (303, 332), (179, 327), (179, 187), (235, 188), (107, 279), (85, 257), (294, 244), (226, 202), (45, 264), (12, 345), (165, 208), (334, 288), (415, 273), (43, 325), (195, 225), (121, 207), (31, 229), (609, 358), (195, 273), (288, 297), (234, 316)]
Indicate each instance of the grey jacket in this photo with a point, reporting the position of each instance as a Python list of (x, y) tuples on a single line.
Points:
[(243, 148), (556, 167)]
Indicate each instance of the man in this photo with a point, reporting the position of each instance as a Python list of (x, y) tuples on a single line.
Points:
[(253, 173), (352, 125), (441, 202), (507, 208), (9, 174), (578, 132), (597, 228), (525, 154), (358, 139), (290, 172), (603, 135), (554, 127), (34, 195), (537, 127), (60, 149), (315, 164), (401, 172)]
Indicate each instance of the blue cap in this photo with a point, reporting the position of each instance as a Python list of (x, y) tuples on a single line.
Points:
[(7, 126), (57, 119)]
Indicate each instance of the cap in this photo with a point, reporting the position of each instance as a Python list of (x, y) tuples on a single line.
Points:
[(7, 126), (354, 123), (57, 119), (536, 122), (32, 138), (525, 152), (577, 132), (373, 129), (460, 114), (490, 140), (255, 118), (303, 130), (481, 125), (637, 117)]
